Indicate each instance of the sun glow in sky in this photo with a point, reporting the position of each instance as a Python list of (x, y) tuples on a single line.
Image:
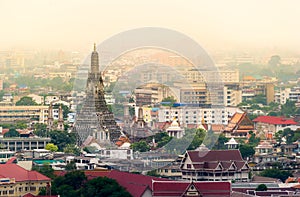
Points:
[(216, 25)]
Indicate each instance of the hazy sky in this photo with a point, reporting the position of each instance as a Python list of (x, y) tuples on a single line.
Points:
[(220, 25)]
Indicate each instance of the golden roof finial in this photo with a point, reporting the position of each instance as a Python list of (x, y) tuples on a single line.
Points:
[(94, 46)]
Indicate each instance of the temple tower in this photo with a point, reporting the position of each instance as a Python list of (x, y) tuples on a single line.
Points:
[(94, 119)]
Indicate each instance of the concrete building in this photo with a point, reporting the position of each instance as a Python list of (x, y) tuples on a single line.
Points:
[(24, 143), (292, 94), (226, 76), (232, 95), (254, 88), (195, 115), (24, 113)]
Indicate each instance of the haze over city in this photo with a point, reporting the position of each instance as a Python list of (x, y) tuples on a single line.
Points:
[(137, 98), (216, 25)]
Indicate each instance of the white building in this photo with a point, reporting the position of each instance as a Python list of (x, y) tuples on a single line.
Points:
[(292, 94), (196, 115), (226, 76), (50, 99), (232, 95)]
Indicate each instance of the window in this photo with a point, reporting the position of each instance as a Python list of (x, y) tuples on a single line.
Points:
[(189, 166)]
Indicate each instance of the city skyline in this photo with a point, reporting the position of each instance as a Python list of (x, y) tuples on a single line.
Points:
[(221, 26)]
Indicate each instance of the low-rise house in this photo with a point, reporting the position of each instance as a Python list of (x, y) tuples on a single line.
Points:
[(16, 181), (214, 165), (264, 152), (269, 125)]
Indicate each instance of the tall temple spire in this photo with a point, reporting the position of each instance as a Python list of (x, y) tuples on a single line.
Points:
[(94, 118), (95, 61)]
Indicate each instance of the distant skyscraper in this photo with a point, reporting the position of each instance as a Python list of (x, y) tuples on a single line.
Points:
[(94, 119)]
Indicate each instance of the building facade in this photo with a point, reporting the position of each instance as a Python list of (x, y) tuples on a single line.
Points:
[(23, 113), (196, 115), (16, 181), (24, 143), (214, 165)]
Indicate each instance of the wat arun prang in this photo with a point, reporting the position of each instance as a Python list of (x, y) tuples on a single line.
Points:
[(94, 120)]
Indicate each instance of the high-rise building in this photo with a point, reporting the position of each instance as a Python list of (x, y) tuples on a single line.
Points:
[(94, 119)]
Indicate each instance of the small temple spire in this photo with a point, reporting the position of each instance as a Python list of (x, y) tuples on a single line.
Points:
[(95, 47)]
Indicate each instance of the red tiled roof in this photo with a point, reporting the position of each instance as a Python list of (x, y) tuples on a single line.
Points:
[(94, 174), (178, 188), (135, 184), (275, 120), (4, 131), (20, 174), (31, 195), (215, 155)]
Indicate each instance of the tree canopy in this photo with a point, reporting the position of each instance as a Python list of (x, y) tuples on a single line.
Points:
[(75, 183), (12, 133), (26, 101), (51, 147), (276, 173)]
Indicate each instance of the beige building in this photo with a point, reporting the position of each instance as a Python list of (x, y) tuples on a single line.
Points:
[(225, 76), (16, 181), (23, 113), (232, 95)]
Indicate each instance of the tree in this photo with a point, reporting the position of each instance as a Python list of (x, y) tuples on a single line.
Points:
[(161, 138), (140, 146), (26, 101), (288, 109), (62, 138), (69, 185), (72, 148), (40, 130), (153, 173), (289, 135), (274, 61), (276, 173), (71, 166), (103, 186), (253, 140), (46, 170), (261, 187), (197, 138), (12, 133), (51, 147), (221, 142), (170, 99), (246, 150)]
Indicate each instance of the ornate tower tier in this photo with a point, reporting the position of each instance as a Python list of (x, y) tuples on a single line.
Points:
[(94, 119)]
